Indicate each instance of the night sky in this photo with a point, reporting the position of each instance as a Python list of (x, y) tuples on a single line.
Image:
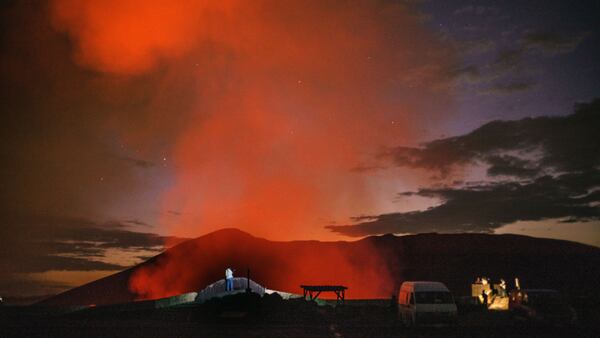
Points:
[(131, 125)]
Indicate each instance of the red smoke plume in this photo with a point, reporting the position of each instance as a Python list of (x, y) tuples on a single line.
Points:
[(291, 95), (276, 265), (132, 36)]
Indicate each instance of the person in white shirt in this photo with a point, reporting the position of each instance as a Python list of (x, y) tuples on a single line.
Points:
[(228, 279)]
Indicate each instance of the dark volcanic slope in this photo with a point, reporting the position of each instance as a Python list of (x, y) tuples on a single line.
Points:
[(372, 267)]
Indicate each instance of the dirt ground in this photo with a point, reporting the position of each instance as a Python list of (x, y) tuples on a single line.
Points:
[(252, 316)]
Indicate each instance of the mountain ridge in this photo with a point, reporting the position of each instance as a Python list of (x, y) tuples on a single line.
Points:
[(373, 267)]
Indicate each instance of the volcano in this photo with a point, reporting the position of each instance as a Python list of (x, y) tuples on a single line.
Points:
[(372, 267)]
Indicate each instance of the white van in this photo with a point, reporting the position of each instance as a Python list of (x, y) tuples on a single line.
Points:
[(426, 303)]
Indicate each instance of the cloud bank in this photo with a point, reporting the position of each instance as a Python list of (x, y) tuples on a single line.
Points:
[(538, 168)]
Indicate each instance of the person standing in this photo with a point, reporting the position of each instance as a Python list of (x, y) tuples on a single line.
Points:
[(485, 298), (502, 288), (228, 279)]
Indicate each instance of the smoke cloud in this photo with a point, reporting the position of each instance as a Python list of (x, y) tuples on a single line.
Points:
[(283, 99), (277, 265)]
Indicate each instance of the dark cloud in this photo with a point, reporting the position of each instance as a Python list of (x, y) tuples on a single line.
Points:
[(514, 59), (507, 60), (506, 165), (509, 88), (502, 75), (136, 222), (551, 166), (470, 73), (483, 208), (564, 143), (38, 243), (552, 42)]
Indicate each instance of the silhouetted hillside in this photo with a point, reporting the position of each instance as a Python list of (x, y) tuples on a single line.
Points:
[(372, 267)]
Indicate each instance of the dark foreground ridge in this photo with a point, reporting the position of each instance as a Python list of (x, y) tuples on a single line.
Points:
[(250, 315), (454, 259)]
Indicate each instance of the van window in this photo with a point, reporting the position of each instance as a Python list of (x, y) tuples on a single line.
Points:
[(434, 297)]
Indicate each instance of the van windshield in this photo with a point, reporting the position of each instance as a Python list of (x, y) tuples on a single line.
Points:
[(433, 297)]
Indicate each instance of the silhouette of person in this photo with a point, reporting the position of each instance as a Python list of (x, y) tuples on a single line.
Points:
[(228, 279), (485, 297)]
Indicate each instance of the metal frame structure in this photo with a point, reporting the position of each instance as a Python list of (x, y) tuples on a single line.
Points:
[(313, 291)]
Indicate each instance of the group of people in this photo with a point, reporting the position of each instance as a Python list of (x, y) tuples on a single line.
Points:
[(490, 291)]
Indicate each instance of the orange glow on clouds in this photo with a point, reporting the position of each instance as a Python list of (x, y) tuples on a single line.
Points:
[(130, 37), (290, 96)]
